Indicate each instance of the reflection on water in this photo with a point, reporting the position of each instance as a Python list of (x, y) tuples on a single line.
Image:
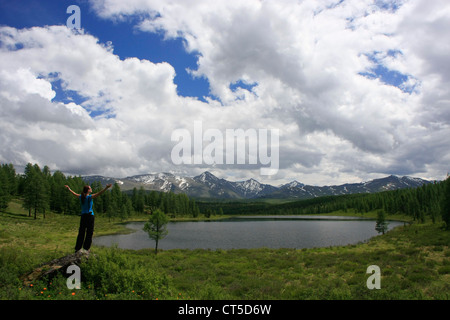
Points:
[(252, 232)]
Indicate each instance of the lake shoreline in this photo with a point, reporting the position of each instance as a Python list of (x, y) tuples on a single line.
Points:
[(369, 215), (250, 232)]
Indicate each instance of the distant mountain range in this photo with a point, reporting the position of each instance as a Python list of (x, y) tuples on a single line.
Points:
[(208, 185)]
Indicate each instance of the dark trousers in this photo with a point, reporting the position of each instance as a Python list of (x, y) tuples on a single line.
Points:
[(85, 232)]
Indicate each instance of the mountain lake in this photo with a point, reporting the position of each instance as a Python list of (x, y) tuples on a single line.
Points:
[(246, 232)]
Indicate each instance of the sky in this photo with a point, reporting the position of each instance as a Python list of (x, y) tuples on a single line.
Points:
[(355, 89)]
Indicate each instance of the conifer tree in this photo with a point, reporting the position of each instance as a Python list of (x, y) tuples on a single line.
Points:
[(140, 200), (36, 190), (57, 192), (381, 224), (445, 206), (156, 227), (4, 194)]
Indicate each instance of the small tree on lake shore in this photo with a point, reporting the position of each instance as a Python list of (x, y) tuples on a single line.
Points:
[(382, 224), (156, 227)]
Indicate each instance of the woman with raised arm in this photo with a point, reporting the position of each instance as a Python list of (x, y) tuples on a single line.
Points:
[(86, 230)]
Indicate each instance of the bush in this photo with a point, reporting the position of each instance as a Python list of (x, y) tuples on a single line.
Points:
[(111, 274)]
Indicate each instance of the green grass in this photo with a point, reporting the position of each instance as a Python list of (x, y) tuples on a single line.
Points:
[(414, 262)]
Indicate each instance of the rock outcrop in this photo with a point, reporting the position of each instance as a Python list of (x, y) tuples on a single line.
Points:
[(51, 268)]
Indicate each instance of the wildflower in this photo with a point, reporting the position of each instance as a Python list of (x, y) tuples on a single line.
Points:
[(73, 293)]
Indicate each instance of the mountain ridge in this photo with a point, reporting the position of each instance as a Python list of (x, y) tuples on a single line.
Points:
[(207, 185)]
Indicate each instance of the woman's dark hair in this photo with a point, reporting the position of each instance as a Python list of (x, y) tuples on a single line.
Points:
[(84, 193)]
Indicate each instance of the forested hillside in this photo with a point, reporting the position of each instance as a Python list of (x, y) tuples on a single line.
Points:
[(429, 201), (41, 191)]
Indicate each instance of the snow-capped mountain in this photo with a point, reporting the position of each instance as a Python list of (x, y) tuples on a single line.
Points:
[(207, 185), (252, 188), (210, 186), (160, 181), (293, 184), (301, 191)]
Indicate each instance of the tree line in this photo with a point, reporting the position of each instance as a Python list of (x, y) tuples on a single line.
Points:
[(430, 201), (42, 191)]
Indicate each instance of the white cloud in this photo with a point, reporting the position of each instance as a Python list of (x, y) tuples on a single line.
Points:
[(305, 60), (64, 134)]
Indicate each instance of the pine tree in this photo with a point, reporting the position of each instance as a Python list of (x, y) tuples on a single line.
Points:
[(4, 194), (45, 177), (381, 224), (57, 192), (445, 203), (72, 204), (156, 227), (11, 180), (27, 191), (140, 200), (36, 191)]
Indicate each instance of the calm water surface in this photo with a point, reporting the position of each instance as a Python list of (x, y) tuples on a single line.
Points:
[(252, 232)]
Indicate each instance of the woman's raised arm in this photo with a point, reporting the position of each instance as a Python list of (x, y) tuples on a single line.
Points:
[(95, 195), (75, 194)]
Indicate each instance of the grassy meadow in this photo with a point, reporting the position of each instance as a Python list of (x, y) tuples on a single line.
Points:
[(414, 262)]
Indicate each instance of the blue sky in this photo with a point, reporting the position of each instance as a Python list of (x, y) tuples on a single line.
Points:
[(126, 39), (358, 89)]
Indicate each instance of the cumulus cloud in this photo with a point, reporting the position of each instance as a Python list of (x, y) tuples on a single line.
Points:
[(358, 89), (126, 93)]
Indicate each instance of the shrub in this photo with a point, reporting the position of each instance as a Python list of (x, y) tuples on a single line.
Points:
[(113, 274)]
